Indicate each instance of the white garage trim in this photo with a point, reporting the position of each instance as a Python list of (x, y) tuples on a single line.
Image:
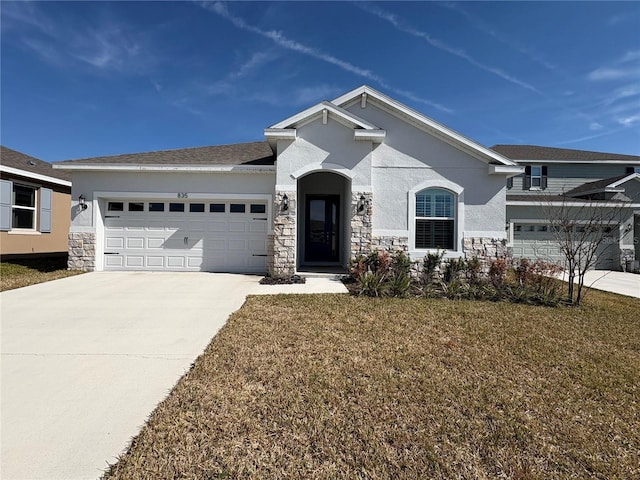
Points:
[(100, 205)]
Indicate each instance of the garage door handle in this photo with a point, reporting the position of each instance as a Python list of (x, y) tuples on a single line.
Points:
[(112, 216), (186, 240), (259, 255), (111, 253)]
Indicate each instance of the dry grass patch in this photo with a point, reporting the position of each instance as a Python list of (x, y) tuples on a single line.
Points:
[(332, 386), (29, 272)]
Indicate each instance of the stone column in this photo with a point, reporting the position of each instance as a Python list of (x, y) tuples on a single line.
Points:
[(361, 224), (82, 251), (282, 260)]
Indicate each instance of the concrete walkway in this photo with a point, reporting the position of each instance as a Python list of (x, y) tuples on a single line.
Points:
[(86, 359), (622, 283)]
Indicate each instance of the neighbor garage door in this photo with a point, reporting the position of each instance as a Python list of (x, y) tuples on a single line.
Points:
[(185, 236), (535, 241)]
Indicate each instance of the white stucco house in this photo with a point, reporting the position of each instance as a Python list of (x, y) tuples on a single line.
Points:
[(336, 180)]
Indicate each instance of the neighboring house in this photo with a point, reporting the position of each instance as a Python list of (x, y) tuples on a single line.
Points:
[(332, 182), (35, 202), (573, 178)]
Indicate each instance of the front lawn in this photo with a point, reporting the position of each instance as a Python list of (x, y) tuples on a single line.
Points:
[(21, 273), (334, 386)]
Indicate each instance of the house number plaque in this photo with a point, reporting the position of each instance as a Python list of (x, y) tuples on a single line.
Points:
[(183, 195)]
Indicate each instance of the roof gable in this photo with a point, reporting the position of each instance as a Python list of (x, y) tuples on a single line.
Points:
[(606, 185), (365, 93)]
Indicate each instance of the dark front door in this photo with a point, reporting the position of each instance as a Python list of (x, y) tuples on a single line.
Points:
[(321, 231)]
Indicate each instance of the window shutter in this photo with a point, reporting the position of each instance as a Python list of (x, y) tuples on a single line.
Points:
[(526, 185), (46, 197), (543, 183), (510, 182), (6, 190)]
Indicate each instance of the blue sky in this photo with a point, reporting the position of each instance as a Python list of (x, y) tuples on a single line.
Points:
[(98, 78)]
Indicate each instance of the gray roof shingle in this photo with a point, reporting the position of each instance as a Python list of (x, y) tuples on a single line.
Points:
[(597, 185), (252, 153), (534, 152), (14, 159)]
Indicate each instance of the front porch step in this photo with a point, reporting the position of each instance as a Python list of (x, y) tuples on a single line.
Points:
[(336, 275)]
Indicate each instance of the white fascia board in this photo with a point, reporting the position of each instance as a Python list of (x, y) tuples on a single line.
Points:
[(171, 168), (306, 115), (631, 176), (35, 176), (584, 162), (376, 136), (428, 124), (508, 170), (570, 203)]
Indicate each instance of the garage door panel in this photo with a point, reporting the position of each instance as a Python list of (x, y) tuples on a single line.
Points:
[(155, 262), (258, 227), (114, 261), (238, 243), (134, 261), (173, 261), (155, 242), (114, 242), (210, 241), (236, 226), (135, 242)]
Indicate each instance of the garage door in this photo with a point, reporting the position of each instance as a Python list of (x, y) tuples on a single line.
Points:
[(535, 241), (186, 236)]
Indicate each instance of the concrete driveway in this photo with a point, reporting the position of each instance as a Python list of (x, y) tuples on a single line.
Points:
[(86, 359), (623, 283)]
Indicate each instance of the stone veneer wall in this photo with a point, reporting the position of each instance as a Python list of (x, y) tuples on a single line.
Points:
[(361, 225), (82, 251), (483, 248), (281, 258)]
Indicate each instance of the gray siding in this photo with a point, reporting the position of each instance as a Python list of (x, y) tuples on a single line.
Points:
[(564, 177)]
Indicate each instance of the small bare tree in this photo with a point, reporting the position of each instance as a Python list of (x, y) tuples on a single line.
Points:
[(582, 230)]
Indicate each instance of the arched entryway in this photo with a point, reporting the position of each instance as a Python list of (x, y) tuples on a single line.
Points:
[(324, 216)]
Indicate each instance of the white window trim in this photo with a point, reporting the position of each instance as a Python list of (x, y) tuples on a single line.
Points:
[(532, 186), (36, 198), (458, 228)]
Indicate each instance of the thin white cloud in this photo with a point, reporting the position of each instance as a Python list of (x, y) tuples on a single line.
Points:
[(595, 126), (257, 60), (590, 137), (439, 44), (483, 26), (629, 121), (630, 56), (607, 73), (282, 41), (101, 44)]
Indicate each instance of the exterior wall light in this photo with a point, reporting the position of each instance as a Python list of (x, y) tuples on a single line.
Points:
[(361, 204), (285, 203), (82, 202)]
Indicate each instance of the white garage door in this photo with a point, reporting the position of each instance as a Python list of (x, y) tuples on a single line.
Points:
[(535, 241), (205, 236)]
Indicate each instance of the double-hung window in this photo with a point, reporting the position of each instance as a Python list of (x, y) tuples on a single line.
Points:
[(23, 207), (435, 219), (535, 177)]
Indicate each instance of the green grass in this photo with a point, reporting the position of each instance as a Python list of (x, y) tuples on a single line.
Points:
[(331, 386), (16, 274)]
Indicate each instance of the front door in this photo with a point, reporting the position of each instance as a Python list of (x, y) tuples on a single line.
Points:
[(321, 228)]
